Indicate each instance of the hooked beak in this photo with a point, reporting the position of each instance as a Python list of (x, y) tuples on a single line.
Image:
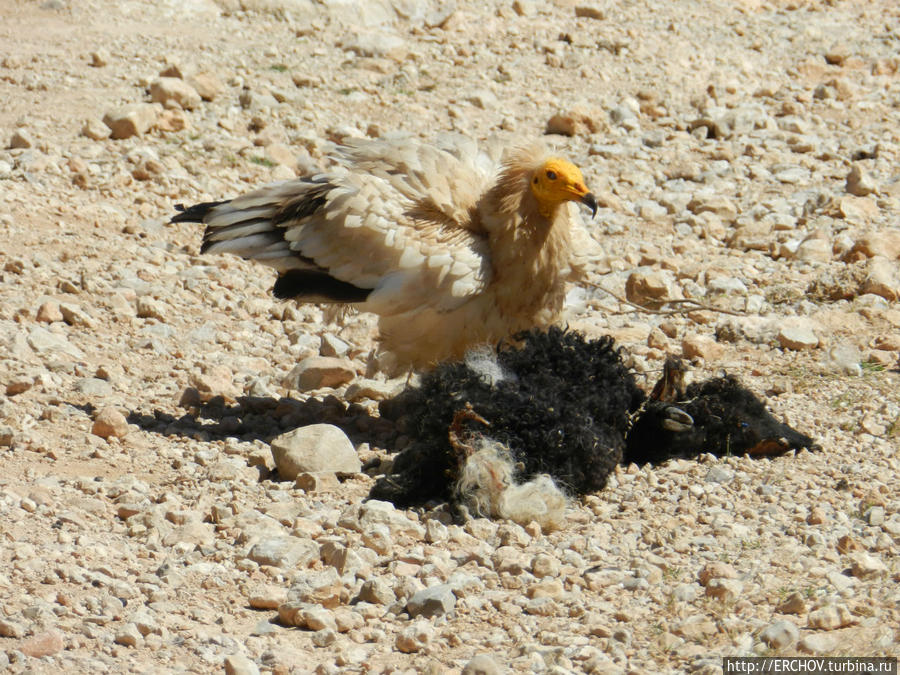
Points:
[(589, 201)]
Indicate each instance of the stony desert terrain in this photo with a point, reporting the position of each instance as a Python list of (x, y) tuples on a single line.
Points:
[(746, 154)]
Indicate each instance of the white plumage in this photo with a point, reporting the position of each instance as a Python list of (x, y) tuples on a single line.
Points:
[(449, 248)]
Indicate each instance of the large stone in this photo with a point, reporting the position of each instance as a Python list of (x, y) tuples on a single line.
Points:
[(358, 13), (10, 628), (650, 288), (208, 86), (780, 634), (267, 596), (589, 12), (882, 279), (548, 588), (866, 566), (830, 617), (212, 381), (150, 308), (191, 534), (314, 448), (109, 422), (173, 91), (885, 243), (572, 122), (431, 602), (718, 474), (858, 210), (716, 570), (42, 644), (129, 636), (718, 204), (482, 664), (378, 43), (319, 481), (322, 588), (20, 140), (695, 627), (173, 119), (95, 130), (284, 552), (378, 538), (415, 637), (315, 372), (544, 565), (376, 592), (132, 120), (859, 182), (44, 341), (238, 664), (317, 618), (343, 558), (374, 512), (701, 347), (793, 604), (815, 248), (817, 643), (481, 98), (100, 58), (797, 337)]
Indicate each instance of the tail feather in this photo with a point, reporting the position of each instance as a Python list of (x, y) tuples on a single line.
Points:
[(246, 246), (228, 215), (245, 228), (254, 226), (195, 213)]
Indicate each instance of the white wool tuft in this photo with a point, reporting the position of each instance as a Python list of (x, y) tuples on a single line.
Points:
[(539, 500), (483, 361), (487, 485), (487, 472)]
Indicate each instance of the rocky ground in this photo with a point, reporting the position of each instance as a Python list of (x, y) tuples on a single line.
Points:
[(746, 157)]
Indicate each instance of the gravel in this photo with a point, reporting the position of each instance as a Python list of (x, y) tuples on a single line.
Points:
[(744, 156)]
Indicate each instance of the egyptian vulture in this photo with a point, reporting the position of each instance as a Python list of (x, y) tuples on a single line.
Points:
[(450, 249)]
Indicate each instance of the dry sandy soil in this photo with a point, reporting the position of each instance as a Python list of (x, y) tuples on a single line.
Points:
[(746, 156)]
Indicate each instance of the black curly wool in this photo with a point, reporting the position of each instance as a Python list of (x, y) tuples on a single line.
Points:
[(562, 409), (728, 419)]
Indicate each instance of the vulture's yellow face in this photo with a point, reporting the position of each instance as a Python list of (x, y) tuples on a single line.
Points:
[(558, 180)]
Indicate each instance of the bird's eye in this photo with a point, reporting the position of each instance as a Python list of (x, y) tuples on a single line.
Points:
[(551, 175), (535, 181)]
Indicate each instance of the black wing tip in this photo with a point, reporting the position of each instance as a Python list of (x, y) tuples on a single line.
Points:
[(316, 286), (195, 213)]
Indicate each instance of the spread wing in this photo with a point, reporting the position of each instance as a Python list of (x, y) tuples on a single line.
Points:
[(396, 229), (443, 181)]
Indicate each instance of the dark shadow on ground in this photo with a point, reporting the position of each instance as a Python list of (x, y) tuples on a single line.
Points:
[(251, 418)]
